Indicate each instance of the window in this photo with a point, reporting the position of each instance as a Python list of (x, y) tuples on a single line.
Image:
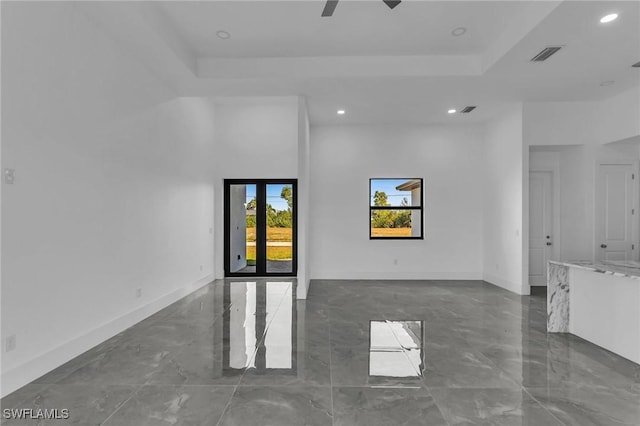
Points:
[(395, 208)]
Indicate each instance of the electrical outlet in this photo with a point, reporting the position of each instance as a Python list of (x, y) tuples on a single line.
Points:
[(138, 293), (201, 267), (211, 230), (10, 343), (497, 266), (395, 262), (9, 176)]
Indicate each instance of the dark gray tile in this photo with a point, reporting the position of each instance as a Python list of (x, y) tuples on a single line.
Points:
[(21, 398), (355, 406), (199, 363), (351, 333), (81, 360), (557, 362), (279, 406), (87, 405), (499, 407), (479, 346), (463, 367), (127, 364), (173, 405), (584, 405)]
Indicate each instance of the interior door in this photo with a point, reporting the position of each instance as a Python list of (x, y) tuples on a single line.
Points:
[(540, 226), (615, 212), (260, 227)]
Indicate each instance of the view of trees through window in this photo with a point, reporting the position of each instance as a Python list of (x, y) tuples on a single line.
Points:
[(389, 218), (396, 208), (279, 224)]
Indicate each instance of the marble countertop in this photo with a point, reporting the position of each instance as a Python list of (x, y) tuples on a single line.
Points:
[(629, 269)]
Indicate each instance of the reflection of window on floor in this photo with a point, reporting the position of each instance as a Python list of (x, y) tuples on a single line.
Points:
[(257, 310), (395, 348), (278, 338), (242, 342)]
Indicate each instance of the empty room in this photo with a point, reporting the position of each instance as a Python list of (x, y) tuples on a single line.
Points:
[(320, 212)]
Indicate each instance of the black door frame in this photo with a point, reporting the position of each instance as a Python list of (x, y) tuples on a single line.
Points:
[(261, 227)]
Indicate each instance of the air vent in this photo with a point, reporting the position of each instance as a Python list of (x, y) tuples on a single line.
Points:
[(545, 53), (636, 65), (467, 109), (392, 3)]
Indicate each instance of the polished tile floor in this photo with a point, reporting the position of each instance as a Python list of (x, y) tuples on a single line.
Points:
[(355, 353)]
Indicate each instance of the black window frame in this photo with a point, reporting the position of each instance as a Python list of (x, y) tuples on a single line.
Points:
[(410, 208)]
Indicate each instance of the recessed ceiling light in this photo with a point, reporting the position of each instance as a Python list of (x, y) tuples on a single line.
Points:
[(341, 112), (607, 83), (609, 18), (452, 111), (223, 34), (458, 31)]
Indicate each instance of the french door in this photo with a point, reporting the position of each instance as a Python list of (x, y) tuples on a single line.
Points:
[(260, 227)]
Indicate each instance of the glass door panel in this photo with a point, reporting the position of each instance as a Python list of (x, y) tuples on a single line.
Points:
[(279, 219), (242, 228)]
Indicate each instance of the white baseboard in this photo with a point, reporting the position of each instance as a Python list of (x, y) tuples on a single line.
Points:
[(36, 367), (360, 275), (507, 285), (303, 287)]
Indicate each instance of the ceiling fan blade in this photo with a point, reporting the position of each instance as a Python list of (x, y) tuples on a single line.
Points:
[(329, 7), (392, 3)]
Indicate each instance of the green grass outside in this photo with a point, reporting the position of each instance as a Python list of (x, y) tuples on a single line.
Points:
[(273, 234), (273, 253)]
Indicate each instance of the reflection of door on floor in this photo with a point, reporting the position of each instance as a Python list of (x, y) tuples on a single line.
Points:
[(616, 212), (540, 226), (259, 328), (260, 227)]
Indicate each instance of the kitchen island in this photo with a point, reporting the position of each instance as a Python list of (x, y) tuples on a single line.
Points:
[(599, 302)]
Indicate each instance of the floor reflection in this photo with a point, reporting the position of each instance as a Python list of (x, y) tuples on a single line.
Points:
[(258, 327), (248, 353), (395, 348)]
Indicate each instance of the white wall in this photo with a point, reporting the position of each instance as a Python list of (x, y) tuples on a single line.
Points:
[(582, 134), (583, 123), (577, 168), (504, 203), (113, 189), (344, 158), (304, 197), (254, 138), (561, 123), (621, 116), (573, 239)]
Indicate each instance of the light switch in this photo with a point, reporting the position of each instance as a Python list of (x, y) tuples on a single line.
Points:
[(9, 176)]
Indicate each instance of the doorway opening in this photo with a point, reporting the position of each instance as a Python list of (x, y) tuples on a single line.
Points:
[(260, 227)]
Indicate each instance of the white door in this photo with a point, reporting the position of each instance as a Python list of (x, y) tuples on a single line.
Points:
[(540, 226), (615, 212)]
